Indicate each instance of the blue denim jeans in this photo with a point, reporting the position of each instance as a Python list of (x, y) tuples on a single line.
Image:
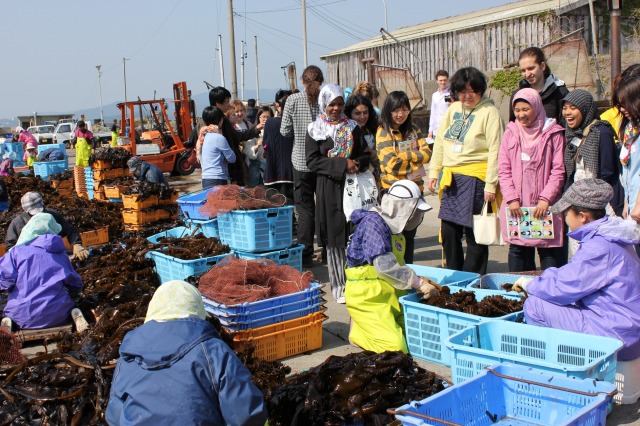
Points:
[(210, 183)]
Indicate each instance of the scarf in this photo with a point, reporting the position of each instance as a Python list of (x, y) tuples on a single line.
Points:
[(587, 131), (628, 139), (529, 135), (39, 224), (211, 128), (174, 300), (341, 131)]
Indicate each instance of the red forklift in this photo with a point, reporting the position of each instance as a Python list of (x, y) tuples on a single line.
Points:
[(163, 146)]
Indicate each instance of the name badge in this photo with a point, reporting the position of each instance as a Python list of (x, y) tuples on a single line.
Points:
[(575, 141), (457, 148), (525, 157)]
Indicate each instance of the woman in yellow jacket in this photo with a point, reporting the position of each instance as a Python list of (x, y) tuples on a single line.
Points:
[(402, 151)]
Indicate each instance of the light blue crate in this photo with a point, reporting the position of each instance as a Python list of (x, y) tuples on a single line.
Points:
[(427, 328), (59, 146), (256, 315), (523, 396), (17, 148), (209, 227), (235, 326), (495, 281), (45, 169), (291, 256), (314, 291), (257, 230), (561, 352), (177, 232), (445, 276), (190, 203)]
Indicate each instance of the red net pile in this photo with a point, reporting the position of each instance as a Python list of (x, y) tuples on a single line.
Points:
[(9, 348), (224, 198), (234, 281)]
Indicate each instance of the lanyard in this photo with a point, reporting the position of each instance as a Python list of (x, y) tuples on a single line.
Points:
[(464, 122)]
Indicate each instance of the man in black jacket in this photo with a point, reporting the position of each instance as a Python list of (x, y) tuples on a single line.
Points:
[(220, 97)]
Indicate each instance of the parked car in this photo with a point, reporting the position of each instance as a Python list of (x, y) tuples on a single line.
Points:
[(43, 134), (64, 132)]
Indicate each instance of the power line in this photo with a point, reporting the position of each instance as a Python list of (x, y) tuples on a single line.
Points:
[(333, 24), (286, 9), (365, 31)]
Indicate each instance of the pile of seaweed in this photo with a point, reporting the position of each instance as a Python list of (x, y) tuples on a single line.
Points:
[(191, 247), (118, 157), (356, 387), (147, 189), (465, 301), (65, 175)]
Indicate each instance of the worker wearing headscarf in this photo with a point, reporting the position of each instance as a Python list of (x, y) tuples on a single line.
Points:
[(39, 277), (376, 273), (174, 369)]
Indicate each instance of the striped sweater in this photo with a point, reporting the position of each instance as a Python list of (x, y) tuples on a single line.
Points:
[(396, 165)]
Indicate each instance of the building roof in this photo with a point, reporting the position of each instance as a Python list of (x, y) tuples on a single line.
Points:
[(470, 20)]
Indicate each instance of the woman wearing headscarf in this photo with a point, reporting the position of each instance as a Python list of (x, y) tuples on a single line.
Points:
[(40, 278), (175, 369), (334, 147), (531, 174)]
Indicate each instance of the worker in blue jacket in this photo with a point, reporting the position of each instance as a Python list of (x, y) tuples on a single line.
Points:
[(146, 172), (174, 369)]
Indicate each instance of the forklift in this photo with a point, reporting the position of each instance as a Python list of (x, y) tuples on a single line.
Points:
[(164, 147)]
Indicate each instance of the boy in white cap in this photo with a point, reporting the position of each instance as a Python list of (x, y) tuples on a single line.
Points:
[(598, 291)]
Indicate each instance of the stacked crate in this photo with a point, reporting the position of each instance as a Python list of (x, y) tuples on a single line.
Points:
[(102, 172), (140, 212), (82, 181), (64, 188)]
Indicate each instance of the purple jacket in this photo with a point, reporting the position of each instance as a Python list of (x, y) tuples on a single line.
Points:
[(542, 177), (602, 281), (37, 276)]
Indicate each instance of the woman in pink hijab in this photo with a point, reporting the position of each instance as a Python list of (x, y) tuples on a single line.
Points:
[(531, 175)]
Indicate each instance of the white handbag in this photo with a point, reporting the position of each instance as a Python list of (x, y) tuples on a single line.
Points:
[(486, 226)]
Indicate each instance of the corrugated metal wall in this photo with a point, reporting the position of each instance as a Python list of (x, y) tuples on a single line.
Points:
[(488, 47)]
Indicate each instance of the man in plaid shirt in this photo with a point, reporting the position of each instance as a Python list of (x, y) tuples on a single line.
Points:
[(301, 110)]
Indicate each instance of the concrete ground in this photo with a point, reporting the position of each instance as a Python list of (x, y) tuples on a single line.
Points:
[(336, 327)]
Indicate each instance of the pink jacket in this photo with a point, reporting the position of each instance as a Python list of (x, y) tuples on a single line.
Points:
[(541, 177), (27, 137)]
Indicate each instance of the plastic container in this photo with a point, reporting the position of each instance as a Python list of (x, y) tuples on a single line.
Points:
[(45, 169), (209, 227), (100, 175), (114, 191), (495, 281), (291, 256), (140, 217), (17, 147), (62, 184), (236, 326), (256, 315), (190, 203), (513, 395), (94, 238), (314, 291), (427, 328), (257, 230), (25, 170), (133, 201), (59, 146), (283, 339), (445, 276), (561, 352), (628, 381)]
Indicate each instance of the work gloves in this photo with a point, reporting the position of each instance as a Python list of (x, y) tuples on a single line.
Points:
[(521, 284), (428, 288), (80, 252)]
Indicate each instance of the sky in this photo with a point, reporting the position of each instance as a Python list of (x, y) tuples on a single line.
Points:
[(51, 48)]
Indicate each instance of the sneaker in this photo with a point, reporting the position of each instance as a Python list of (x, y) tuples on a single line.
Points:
[(341, 300), (79, 321), (7, 323)]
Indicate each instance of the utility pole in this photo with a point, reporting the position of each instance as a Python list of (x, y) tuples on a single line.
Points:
[(124, 67), (232, 53), (255, 43), (243, 55), (615, 10), (304, 31), (221, 61), (386, 25), (100, 86)]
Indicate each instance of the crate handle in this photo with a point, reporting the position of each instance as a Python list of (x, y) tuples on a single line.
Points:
[(272, 213), (420, 416), (545, 385)]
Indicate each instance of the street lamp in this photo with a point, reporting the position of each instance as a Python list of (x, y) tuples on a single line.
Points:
[(100, 86)]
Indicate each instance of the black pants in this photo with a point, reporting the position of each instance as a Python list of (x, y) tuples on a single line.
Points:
[(410, 245), (523, 258), (304, 189), (477, 256)]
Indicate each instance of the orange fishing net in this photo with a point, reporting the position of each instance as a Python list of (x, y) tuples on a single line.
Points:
[(234, 281), (224, 198), (9, 348)]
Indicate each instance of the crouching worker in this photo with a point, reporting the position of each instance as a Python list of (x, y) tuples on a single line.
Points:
[(376, 273), (598, 291), (146, 172), (40, 279), (174, 369)]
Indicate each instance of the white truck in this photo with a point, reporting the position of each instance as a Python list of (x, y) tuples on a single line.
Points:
[(43, 134), (64, 132)]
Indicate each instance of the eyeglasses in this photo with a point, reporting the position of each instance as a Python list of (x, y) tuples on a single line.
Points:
[(468, 92)]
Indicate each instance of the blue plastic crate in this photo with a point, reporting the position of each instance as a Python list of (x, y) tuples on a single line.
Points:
[(445, 276), (17, 147), (291, 256), (314, 291), (209, 227), (59, 146), (561, 352), (253, 315), (171, 268), (257, 230), (495, 281), (235, 326), (190, 203), (45, 169), (427, 328), (522, 396)]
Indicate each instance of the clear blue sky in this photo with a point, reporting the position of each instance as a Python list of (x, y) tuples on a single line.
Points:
[(51, 48)]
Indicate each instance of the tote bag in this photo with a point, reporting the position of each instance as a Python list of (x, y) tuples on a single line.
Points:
[(360, 192), (486, 226)]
